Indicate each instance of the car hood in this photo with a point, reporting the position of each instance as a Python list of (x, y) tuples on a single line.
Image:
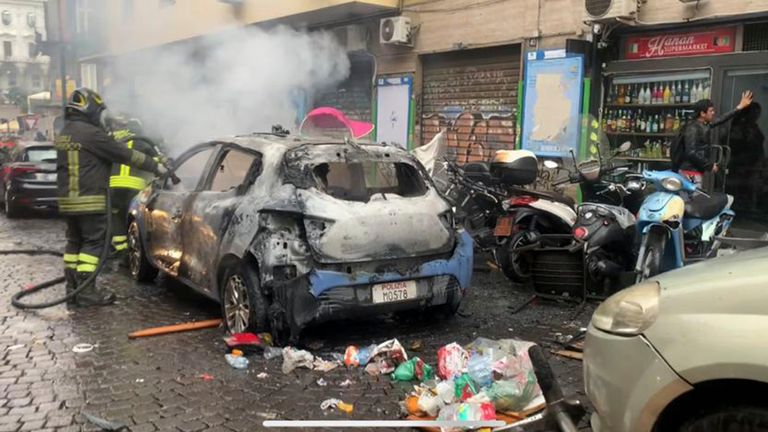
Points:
[(383, 228)]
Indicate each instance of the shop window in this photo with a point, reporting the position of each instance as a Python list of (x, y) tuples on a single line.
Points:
[(756, 37), (7, 17), (7, 49)]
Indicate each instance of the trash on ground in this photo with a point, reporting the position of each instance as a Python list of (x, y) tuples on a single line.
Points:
[(248, 343), (237, 353), (155, 331), (105, 424), (468, 412), (416, 345), (575, 355), (294, 358), (346, 383), (237, 362), (321, 382), (338, 404), (82, 348), (139, 380), (14, 347), (272, 352), (262, 375), (479, 367), (355, 356), (451, 361), (206, 377), (325, 365), (414, 368), (378, 359)]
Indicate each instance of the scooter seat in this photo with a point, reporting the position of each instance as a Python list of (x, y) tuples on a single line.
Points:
[(552, 196), (705, 207), (478, 171)]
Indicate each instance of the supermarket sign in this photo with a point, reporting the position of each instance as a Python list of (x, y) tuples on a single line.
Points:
[(716, 41)]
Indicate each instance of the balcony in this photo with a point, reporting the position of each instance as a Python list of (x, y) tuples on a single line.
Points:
[(192, 18)]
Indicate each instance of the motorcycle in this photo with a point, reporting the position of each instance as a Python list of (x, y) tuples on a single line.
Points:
[(679, 224)]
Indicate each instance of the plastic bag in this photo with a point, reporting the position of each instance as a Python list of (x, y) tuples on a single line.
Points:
[(446, 391), (237, 362), (430, 403), (325, 365), (386, 356), (272, 352), (355, 356), (480, 369), (414, 368), (451, 361), (465, 387), (466, 412), (512, 395), (293, 358)]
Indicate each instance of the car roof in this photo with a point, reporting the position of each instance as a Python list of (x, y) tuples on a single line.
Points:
[(263, 142)]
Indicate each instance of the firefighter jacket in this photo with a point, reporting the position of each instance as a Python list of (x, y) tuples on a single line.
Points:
[(124, 176), (84, 156)]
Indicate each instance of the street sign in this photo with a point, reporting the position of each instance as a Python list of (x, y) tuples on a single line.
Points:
[(31, 122)]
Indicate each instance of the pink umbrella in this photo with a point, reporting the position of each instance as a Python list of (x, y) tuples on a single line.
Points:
[(331, 118)]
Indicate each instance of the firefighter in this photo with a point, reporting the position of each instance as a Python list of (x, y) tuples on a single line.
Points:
[(85, 153), (125, 181)]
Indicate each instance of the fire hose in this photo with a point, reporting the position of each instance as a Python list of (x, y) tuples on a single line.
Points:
[(16, 298)]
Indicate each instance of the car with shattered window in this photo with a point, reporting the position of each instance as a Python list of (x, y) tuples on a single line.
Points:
[(685, 351), (286, 232)]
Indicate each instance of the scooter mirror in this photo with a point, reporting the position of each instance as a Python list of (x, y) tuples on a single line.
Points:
[(551, 164)]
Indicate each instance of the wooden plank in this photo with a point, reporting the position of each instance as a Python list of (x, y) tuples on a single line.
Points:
[(569, 354)]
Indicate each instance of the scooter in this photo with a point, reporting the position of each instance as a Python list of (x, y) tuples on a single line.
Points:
[(679, 224)]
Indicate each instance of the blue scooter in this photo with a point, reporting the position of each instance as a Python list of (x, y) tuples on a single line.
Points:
[(678, 224)]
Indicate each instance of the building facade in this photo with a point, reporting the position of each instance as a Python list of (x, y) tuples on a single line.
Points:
[(23, 70)]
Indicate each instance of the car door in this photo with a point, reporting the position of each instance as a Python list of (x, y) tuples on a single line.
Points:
[(211, 211), (166, 207)]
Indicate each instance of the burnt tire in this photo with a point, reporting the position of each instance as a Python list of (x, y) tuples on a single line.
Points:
[(514, 265), (650, 264), (138, 265), (243, 305), (728, 419)]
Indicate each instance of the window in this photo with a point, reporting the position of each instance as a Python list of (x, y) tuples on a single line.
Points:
[(89, 76), (359, 181), (190, 171), (40, 154), (7, 49), (83, 16), (7, 17), (12, 78), (31, 19), (232, 171), (127, 10)]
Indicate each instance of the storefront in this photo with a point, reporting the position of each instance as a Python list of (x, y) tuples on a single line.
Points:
[(472, 94), (649, 90)]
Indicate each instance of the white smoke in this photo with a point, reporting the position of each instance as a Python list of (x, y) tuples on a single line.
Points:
[(236, 82)]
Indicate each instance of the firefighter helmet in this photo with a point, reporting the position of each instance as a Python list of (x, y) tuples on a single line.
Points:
[(87, 102)]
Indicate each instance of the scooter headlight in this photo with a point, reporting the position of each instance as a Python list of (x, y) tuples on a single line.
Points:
[(672, 184), (629, 312)]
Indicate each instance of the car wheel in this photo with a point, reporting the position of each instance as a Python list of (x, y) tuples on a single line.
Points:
[(515, 265), (11, 211), (730, 419), (654, 251), (138, 264), (243, 305)]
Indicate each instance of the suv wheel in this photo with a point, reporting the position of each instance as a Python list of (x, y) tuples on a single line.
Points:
[(243, 306), (10, 209), (138, 264)]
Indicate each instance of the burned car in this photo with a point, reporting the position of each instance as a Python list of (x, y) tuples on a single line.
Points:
[(285, 232)]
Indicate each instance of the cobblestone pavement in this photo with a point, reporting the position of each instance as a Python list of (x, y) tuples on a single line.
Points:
[(155, 383)]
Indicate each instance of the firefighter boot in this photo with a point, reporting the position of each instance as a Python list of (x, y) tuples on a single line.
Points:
[(70, 276), (93, 295)]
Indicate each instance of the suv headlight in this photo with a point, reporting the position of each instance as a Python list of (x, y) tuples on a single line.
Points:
[(629, 312)]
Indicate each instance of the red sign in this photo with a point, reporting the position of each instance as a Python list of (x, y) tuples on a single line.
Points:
[(717, 41), (31, 121)]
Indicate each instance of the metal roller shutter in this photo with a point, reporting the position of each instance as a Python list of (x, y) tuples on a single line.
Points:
[(473, 95)]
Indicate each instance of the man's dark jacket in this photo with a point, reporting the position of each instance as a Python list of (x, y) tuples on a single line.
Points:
[(85, 153), (697, 139)]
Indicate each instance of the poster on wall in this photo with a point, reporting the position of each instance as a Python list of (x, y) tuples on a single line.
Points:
[(552, 104), (393, 110)]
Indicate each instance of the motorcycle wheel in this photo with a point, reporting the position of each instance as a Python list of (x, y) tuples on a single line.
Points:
[(654, 251), (514, 265)]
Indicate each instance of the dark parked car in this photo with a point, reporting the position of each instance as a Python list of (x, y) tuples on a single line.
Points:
[(286, 232), (28, 178)]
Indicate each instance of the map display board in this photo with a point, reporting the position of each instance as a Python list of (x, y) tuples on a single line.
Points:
[(552, 105)]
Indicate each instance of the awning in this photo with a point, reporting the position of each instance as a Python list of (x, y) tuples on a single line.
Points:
[(330, 118)]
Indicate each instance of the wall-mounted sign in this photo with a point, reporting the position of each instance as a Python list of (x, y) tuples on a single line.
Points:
[(715, 41)]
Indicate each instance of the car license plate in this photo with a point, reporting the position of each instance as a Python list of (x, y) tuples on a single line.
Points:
[(503, 226), (49, 177), (395, 292)]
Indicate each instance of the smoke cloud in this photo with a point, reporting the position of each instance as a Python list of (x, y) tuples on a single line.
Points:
[(236, 82)]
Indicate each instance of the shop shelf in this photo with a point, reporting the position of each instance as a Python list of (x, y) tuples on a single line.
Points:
[(642, 134), (650, 106)]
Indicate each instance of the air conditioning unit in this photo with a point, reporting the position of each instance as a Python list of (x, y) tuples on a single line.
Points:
[(607, 10), (396, 31), (353, 37)]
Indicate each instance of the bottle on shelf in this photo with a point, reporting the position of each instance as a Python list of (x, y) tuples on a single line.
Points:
[(678, 93), (666, 95), (686, 93), (669, 122), (646, 94), (628, 95), (676, 122), (649, 124), (620, 96)]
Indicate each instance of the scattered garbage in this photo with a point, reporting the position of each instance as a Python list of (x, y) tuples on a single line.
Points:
[(237, 353), (262, 375), (512, 395), (321, 382), (139, 380), (105, 424), (416, 345), (325, 365), (451, 361), (468, 412), (155, 331), (414, 368), (480, 369), (237, 362), (355, 356), (14, 347), (346, 383), (465, 387), (206, 377), (338, 404), (272, 352), (82, 348), (377, 359), (294, 358)]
